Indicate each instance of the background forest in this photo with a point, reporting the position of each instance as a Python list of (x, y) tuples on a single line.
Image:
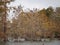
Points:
[(32, 24)]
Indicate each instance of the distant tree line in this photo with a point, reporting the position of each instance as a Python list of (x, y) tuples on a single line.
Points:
[(34, 24)]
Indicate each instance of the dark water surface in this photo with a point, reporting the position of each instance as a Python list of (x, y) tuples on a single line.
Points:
[(54, 42)]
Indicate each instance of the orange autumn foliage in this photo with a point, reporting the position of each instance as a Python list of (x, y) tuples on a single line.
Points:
[(2, 35)]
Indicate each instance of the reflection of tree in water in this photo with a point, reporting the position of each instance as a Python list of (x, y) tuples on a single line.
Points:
[(3, 43)]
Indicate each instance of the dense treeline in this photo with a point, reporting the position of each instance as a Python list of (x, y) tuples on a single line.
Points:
[(36, 23)]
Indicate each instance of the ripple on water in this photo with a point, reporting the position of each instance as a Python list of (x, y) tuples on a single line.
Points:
[(55, 42)]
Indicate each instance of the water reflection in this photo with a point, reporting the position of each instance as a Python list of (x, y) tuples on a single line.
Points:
[(54, 42), (2, 43)]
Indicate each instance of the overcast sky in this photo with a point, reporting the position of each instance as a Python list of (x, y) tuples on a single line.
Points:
[(36, 3)]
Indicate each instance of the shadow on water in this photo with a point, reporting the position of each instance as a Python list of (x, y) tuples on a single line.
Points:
[(54, 42), (2, 43)]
